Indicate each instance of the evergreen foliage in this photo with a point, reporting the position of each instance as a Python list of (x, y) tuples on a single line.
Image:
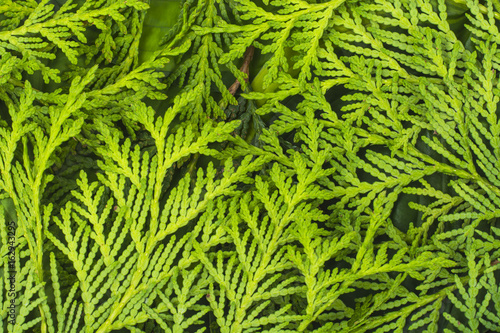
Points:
[(351, 185)]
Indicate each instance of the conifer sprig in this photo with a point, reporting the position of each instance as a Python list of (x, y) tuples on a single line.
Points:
[(354, 188)]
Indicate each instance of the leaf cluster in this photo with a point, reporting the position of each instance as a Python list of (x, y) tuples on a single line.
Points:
[(352, 186)]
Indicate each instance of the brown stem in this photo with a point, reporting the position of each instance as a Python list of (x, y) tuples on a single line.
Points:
[(245, 68)]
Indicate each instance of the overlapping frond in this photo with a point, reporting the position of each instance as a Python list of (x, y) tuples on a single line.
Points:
[(358, 191)]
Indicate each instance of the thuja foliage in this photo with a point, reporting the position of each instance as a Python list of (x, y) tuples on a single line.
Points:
[(155, 177)]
